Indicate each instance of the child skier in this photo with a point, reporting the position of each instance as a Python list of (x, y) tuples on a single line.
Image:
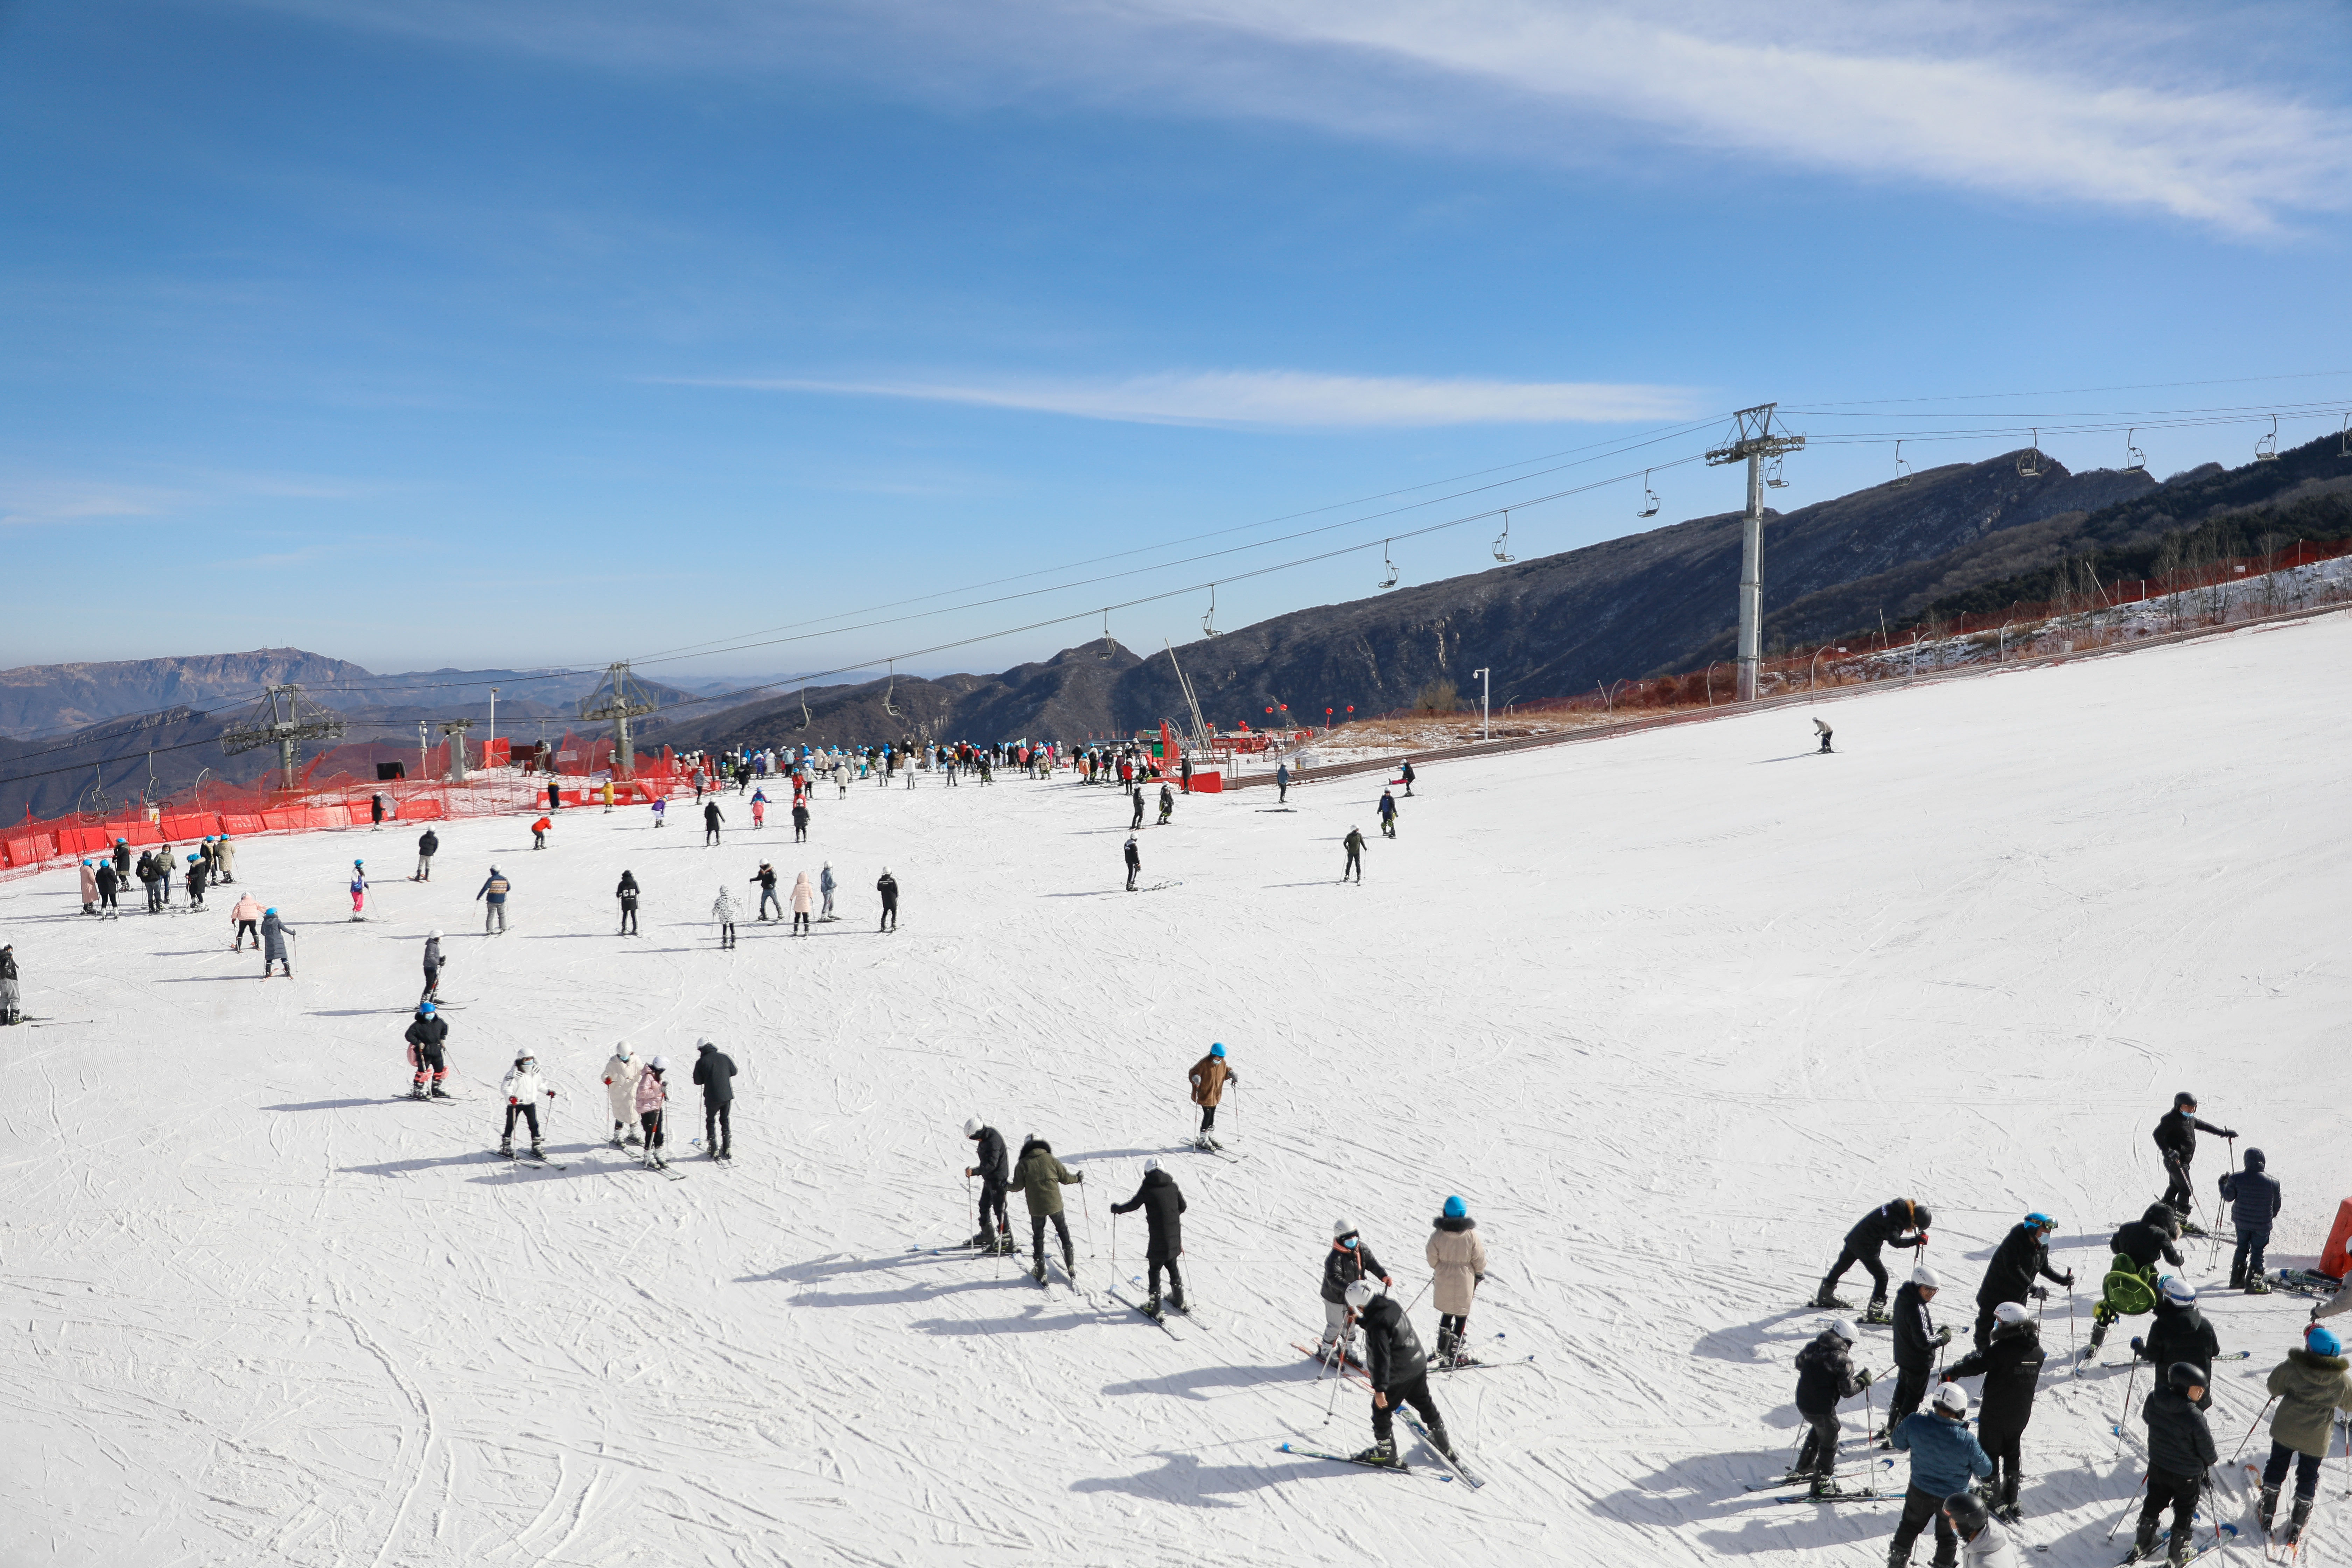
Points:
[(653, 1108), (2129, 1288), (621, 1075), (1350, 1262), (523, 1090), (628, 893), (539, 831), (2310, 1386), (2180, 1450), (359, 889), (722, 910), (1208, 1078), (427, 1036), (1458, 1259)]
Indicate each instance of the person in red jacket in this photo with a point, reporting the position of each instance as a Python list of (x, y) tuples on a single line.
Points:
[(538, 832)]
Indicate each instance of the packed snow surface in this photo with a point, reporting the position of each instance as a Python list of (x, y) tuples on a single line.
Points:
[(1670, 1010)]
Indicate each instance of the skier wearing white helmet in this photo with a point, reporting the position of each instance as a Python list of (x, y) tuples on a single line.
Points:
[(652, 1103), (523, 1090), (1163, 1204), (1825, 1376), (621, 1075), (1349, 1260), (1916, 1340), (433, 961), (988, 1165)]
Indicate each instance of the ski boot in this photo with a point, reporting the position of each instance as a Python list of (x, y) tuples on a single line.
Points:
[(2296, 1522), (2266, 1510), (1151, 1306), (1070, 1265), (632, 1141), (1176, 1303), (1380, 1453), (727, 1152), (2256, 1285), (1440, 1442), (440, 1093), (538, 1150), (2143, 1546), (506, 1148), (1826, 1300), (1448, 1344), (1037, 1271), (2183, 1549), (416, 1092), (982, 1238), (1877, 1311)]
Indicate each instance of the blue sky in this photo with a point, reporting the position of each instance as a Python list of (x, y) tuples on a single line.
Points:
[(433, 334)]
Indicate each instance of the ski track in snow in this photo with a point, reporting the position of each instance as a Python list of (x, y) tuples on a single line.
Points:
[(1670, 1020)]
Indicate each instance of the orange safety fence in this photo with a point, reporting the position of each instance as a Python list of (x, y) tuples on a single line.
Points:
[(332, 794)]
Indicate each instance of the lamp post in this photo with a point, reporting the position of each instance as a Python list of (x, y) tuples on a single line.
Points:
[(1485, 709), (421, 749)]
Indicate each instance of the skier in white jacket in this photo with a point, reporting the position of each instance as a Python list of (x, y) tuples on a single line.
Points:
[(523, 1090), (621, 1089), (723, 911)]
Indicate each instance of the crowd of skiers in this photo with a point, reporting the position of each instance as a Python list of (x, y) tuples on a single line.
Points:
[(1966, 1484), (1391, 1361), (212, 863)]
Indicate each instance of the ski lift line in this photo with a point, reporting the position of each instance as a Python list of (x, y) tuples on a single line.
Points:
[(1602, 451), (866, 666), (2260, 410), (1148, 598), (2082, 391), (1880, 438)]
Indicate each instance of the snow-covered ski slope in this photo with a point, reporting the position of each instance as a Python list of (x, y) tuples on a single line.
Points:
[(1670, 1012)]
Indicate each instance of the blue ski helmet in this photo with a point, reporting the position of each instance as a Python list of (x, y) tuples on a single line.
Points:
[(1217, 1051), (2319, 1341), (193, 858), (269, 911), (2041, 1221), (427, 1007), (1457, 1209)]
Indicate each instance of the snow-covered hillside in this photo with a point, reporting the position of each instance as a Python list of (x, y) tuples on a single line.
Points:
[(1669, 1011)]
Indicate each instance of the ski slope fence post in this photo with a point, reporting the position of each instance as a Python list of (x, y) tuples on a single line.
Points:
[(2250, 1429)]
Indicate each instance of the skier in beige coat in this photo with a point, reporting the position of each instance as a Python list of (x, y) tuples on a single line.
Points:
[(621, 1076), (1459, 1260)]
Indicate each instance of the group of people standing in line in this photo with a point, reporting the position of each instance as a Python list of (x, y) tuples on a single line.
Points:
[(212, 863), (1966, 1484)]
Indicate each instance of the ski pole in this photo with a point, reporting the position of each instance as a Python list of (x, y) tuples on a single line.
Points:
[(2250, 1429), (2125, 1415), (2120, 1516)]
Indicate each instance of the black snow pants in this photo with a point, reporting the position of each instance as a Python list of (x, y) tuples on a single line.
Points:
[(1865, 1253), (529, 1114), (991, 1201), (2179, 1191), (1415, 1392), (717, 1124), (2001, 1447), (1037, 1238), (1175, 1280), (1819, 1456), (2179, 1493), (1919, 1508), (1910, 1388)]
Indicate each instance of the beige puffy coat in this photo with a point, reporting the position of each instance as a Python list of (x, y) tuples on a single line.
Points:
[(1459, 1260)]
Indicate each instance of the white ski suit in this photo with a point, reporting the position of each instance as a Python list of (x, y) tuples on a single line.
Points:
[(620, 1088)]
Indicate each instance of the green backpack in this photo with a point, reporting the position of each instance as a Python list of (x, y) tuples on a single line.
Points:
[(2130, 1289)]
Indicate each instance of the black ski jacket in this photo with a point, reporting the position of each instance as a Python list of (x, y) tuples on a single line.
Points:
[(1161, 1205), (711, 816), (1343, 1266), (627, 891), (1825, 1374), (888, 887), (108, 881), (2254, 1198), (1886, 1225), (2010, 1364), (2146, 1239), (2176, 1134), (428, 844), (426, 1031), (2181, 1333), (8, 965), (1134, 856), (1392, 1352), (1914, 1331), (989, 1161), (714, 1069), (2020, 1257), (2178, 1441)]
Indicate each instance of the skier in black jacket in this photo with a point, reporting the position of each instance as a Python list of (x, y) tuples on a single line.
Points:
[(426, 1037), (1916, 1340), (1134, 857), (628, 893), (2011, 1368), (714, 1069), (2023, 1253), (428, 844), (711, 818), (988, 1165), (2175, 1139), (1900, 1222), (2179, 1449), (2253, 1197), (1348, 1262), (1825, 1374), (2181, 1333), (2143, 1241), (1398, 1370), (1162, 1207)]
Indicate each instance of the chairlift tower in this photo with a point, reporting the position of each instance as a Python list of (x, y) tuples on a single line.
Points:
[(455, 730), (619, 699), (1756, 440), (283, 718)]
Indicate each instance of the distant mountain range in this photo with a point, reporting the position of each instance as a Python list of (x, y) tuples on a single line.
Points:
[(1971, 536)]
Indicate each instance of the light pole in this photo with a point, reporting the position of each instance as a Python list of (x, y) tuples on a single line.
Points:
[(421, 749), (492, 737), (1485, 706)]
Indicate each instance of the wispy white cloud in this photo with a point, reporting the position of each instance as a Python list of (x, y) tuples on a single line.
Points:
[(2171, 110), (1290, 398), (64, 503)]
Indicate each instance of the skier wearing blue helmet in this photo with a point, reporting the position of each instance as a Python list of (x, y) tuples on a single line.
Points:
[(1208, 1078), (1458, 1260), (2022, 1254)]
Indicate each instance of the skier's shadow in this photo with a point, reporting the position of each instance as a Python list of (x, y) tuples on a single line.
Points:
[(834, 1268), (1195, 1382), (1183, 1479), (333, 1104), (1748, 1343), (905, 1296)]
